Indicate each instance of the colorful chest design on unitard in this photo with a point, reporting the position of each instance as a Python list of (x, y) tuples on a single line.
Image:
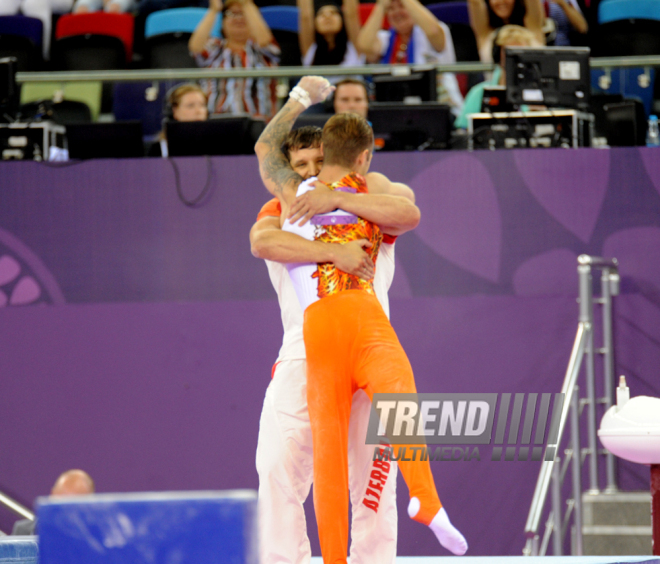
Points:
[(343, 227)]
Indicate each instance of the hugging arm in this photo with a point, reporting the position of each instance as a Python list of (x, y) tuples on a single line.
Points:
[(269, 242)]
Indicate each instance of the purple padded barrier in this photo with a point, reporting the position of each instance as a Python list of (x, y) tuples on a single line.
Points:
[(149, 368)]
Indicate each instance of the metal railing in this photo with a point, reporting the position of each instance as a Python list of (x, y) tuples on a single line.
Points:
[(553, 470), (290, 72), (15, 506)]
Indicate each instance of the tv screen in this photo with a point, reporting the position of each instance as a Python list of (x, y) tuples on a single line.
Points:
[(114, 140), (548, 76), (223, 135), (402, 127), (416, 86)]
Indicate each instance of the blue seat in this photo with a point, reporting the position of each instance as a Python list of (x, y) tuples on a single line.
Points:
[(23, 26), (19, 550), (177, 20), (284, 18), (625, 82), (21, 37), (617, 10), (451, 12), (130, 102)]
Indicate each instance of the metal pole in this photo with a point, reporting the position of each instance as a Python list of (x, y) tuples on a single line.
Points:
[(655, 507), (576, 471), (557, 540), (608, 365), (586, 316), (15, 506)]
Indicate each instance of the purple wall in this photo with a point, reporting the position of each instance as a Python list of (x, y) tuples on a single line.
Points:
[(137, 334)]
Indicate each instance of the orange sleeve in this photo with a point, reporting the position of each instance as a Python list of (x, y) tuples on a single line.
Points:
[(389, 239), (272, 208)]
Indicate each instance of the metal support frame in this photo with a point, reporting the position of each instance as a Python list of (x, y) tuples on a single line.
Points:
[(15, 506), (583, 349)]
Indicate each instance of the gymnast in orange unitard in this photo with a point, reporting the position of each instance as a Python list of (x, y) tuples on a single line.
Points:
[(349, 341)]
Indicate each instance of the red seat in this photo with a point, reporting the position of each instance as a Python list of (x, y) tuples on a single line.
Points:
[(98, 23), (365, 11)]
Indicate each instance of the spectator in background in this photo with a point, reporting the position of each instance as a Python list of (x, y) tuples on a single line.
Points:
[(40, 9), (507, 36), (247, 43), (112, 6), (71, 482), (415, 36), (488, 15), (567, 17), (351, 96), (186, 102), (329, 35)]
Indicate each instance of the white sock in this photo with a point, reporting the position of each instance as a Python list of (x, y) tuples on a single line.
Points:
[(448, 535)]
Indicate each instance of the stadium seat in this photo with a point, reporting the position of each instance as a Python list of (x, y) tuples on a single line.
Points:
[(89, 52), (19, 550), (626, 38), (64, 112), (120, 26), (283, 22), (177, 20), (451, 12), (168, 51), (21, 37), (626, 82), (87, 92), (284, 18), (166, 37), (131, 102), (617, 10)]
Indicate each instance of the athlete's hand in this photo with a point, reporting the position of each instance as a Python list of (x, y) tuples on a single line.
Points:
[(353, 259), (319, 200), (216, 5), (317, 87)]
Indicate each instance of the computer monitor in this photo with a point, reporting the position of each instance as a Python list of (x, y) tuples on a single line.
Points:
[(402, 127), (113, 140), (221, 135), (494, 100), (416, 86), (8, 88), (316, 120), (548, 76)]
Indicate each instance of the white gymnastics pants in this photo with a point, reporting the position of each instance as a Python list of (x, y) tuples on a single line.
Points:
[(284, 464)]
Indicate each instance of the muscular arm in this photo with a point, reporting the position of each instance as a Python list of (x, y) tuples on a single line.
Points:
[(388, 204), (276, 172), (269, 242)]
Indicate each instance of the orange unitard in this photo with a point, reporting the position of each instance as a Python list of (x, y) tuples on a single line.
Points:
[(351, 345)]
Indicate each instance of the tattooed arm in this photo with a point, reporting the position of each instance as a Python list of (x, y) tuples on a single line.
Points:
[(276, 172)]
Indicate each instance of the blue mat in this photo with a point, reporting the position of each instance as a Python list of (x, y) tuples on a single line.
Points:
[(163, 528)]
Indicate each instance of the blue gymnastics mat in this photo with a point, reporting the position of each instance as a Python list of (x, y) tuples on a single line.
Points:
[(143, 528), (522, 559)]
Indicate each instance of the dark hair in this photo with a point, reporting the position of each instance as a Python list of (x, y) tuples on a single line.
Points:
[(307, 137), (325, 56), (353, 81), (345, 136), (517, 16)]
